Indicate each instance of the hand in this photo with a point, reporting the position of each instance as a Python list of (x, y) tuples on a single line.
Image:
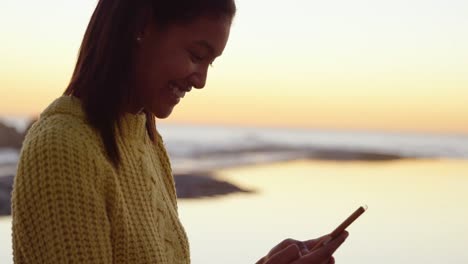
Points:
[(292, 251)]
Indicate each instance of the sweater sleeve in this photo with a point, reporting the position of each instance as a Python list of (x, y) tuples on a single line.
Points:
[(58, 199)]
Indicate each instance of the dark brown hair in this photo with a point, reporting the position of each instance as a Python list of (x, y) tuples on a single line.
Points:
[(102, 72)]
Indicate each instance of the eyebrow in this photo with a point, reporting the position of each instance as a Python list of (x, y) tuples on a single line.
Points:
[(207, 45)]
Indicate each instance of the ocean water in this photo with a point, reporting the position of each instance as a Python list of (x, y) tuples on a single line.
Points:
[(417, 204), (417, 212), (202, 145), (213, 147)]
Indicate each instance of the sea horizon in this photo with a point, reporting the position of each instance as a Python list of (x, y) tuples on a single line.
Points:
[(200, 144)]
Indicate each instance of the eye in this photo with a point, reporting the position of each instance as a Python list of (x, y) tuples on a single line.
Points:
[(196, 58)]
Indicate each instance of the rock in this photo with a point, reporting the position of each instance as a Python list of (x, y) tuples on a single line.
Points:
[(351, 155), (6, 186), (9, 137), (189, 186), (198, 186)]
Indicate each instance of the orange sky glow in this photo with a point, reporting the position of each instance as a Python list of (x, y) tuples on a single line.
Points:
[(366, 65)]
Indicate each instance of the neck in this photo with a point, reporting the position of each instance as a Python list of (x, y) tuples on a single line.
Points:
[(132, 105)]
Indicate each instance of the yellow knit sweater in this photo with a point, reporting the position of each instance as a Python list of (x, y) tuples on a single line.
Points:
[(69, 204)]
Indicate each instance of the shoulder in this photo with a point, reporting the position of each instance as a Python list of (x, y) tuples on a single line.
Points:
[(62, 133), (62, 124), (61, 151)]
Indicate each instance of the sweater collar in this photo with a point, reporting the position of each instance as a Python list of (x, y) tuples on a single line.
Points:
[(133, 126)]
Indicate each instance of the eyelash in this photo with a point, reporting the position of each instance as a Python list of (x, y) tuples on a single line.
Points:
[(198, 59), (195, 58)]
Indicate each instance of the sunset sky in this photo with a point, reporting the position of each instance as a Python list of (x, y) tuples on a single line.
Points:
[(398, 65)]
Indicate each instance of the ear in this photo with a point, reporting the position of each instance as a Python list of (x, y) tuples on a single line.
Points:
[(143, 22)]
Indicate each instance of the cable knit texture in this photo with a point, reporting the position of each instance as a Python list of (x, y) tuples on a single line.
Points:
[(70, 205)]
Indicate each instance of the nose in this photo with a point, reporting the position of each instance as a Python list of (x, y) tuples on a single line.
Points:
[(198, 78)]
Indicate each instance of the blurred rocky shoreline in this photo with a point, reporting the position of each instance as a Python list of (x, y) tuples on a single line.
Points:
[(189, 186), (10, 137), (199, 180), (201, 184)]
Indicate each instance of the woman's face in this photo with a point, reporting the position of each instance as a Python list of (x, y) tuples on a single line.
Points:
[(170, 62)]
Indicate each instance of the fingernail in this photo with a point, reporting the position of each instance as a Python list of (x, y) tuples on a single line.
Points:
[(327, 239), (294, 249), (303, 248)]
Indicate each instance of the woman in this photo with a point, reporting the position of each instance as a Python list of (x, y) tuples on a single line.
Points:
[(94, 183)]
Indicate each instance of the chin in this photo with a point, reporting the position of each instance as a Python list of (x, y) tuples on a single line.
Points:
[(163, 113)]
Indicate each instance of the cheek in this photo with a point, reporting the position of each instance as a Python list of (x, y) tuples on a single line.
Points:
[(174, 67), (160, 69), (148, 81)]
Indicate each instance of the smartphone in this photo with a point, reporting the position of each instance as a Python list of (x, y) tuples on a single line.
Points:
[(342, 227)]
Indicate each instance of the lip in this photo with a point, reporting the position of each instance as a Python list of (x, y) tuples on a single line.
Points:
[(173, 99)]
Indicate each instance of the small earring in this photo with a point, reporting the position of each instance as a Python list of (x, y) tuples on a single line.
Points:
[(139, 39)]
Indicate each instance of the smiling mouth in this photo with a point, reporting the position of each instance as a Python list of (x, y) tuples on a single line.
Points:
[(178, 91)]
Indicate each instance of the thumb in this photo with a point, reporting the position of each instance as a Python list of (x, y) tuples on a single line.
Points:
[(313, 242)]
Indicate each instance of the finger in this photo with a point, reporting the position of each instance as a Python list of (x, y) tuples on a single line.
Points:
[(336, 243), (325, 252), (330, 260), (287, 255), (284, 244), (314, 257), (303, 248), (312, 242), (330, 247), (326, 239)]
